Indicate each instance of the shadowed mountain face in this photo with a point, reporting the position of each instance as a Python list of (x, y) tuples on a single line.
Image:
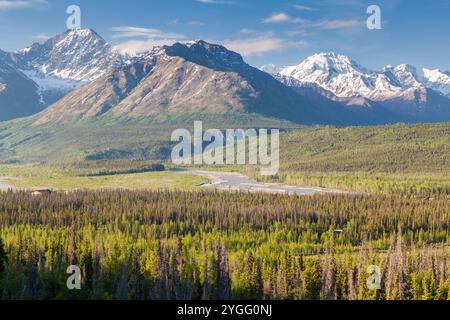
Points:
[(18, 94), (184, 78)]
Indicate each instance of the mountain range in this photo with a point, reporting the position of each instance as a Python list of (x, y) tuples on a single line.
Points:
[(78, 75), (403, 91)]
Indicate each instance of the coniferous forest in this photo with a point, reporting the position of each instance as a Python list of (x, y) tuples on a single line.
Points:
[(214, 245)]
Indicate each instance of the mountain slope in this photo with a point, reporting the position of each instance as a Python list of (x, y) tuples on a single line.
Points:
[(18, 94), (196, 77)]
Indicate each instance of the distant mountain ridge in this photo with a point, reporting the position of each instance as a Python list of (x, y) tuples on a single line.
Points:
[(346, 78), (403, 90), (78, 75)]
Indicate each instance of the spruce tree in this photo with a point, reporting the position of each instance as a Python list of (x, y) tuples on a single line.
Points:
[(3, 257)]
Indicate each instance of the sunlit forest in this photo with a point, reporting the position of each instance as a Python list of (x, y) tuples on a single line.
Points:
[(213, 245)]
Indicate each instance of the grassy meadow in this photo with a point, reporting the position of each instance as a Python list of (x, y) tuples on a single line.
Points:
[(73, 178)]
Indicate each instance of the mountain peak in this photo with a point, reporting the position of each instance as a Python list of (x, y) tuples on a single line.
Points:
[(83, 32), (436, 73), (77, 38), (342, 76), (332, 55), (79, 54), (210, 55), (406, 68), (326, 64), (438, 80), (405, 74), (81, 35)]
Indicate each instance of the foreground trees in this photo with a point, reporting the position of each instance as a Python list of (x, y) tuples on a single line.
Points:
[(210, 245)]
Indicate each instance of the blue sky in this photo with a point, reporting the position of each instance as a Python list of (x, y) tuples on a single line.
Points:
[(282, 32)]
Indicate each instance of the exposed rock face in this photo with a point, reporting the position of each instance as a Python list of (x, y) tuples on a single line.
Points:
[(183, 78)]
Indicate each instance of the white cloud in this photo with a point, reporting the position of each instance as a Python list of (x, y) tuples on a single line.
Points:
[(41, 37), (262, 44), (277, 18), (338, 24), (133, 47), (319, 24), (143, 39), (129, 32), (21, 4), (302, 7)]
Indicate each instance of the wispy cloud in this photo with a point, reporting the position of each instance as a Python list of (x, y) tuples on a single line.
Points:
[(216, 1), (338, 24), (137, 39), (277, 18), (196, 23), (21, 4), (262, 44), (41, 37), (301, 7), (192, 23)]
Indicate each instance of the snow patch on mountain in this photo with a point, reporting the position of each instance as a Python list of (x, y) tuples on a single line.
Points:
[(406, 75), (343, 77), (438, 81), (50, 83)]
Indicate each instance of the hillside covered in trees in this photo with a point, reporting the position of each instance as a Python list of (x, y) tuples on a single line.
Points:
[(210, 245)]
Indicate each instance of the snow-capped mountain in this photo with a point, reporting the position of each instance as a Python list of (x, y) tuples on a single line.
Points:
[(66, 61), (438, 81), (347, 79), (343, 77), (419, 95), (197, 77), (186, 78), (62, 64), (405, 75), (80, 55)]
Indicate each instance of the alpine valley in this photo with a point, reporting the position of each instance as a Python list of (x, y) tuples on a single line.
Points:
[(75, 95)]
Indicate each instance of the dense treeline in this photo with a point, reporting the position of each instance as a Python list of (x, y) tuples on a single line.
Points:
[(210, 245), (414, 149), (411, 159), (151, 168)]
